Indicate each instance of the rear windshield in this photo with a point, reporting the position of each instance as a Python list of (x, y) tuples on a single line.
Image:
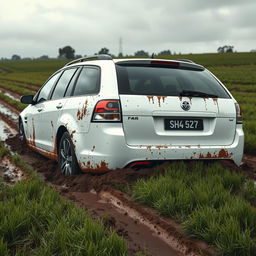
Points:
[(141, 80)]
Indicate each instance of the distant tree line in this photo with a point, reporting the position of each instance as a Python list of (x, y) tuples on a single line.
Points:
[(67, 52), (225, 49)]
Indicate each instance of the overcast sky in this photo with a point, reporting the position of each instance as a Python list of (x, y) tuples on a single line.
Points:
[(31, 28)]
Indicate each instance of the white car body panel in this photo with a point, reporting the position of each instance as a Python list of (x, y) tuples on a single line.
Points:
[(141, 135)]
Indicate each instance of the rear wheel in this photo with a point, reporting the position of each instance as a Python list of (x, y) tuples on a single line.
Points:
[(67, 161)]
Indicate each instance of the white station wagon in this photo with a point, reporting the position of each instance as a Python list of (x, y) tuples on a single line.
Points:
[(99, 113)]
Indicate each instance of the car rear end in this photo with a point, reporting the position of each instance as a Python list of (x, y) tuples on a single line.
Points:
[(163, 110), (177, 110)]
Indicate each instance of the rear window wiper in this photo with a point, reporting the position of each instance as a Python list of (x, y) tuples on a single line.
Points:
[(197, 94)]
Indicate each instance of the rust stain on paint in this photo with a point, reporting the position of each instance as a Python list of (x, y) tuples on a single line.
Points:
[(180, 97), (159, 98), (223, 153), (151, 98), (215, 100), (82, 113), (52, 155), (33, 143), (161, 147), (101, 167)]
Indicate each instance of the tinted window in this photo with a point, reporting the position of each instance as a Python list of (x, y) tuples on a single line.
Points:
[(71, 84), (45, 91), (141, 80), (88, 81), (62, 84)]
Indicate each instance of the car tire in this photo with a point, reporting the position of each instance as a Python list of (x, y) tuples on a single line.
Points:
[(67, 161), (22, 135)]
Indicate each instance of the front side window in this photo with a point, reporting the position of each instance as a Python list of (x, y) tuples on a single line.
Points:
[(88, 81), (63, 83), (45, 91)]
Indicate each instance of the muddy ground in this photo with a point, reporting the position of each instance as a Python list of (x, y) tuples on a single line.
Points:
[(144, 230), (102, 195), (86, 189)]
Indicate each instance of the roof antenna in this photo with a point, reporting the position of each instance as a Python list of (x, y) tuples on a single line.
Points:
[(153, 55)]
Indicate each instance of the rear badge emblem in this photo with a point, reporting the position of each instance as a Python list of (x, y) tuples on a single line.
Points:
[(185, 105)]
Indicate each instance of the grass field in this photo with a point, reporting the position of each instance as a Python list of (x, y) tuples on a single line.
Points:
[(35, 220), (236, 70), (211, 202)]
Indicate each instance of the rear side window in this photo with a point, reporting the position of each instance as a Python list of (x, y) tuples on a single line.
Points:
[(63, 83), (88, 81), (142, 80)]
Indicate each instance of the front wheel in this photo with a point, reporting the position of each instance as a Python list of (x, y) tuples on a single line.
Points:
[(22, 135), (67, 161)]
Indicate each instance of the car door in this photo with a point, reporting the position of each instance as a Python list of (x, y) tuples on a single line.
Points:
[(52, 109), (33, 119)]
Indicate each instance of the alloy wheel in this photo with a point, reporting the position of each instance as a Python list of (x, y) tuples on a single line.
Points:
[(66, 157)]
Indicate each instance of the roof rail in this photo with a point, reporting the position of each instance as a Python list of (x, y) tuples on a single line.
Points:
[(186, 60), (92, 57)]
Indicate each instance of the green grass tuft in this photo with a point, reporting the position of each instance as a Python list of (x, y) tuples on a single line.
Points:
[(209, 202)]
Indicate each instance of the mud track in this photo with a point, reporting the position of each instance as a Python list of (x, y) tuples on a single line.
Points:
[(101, 195), (140, 226)]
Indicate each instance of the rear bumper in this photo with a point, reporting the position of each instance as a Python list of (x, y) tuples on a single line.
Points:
[(106, 149)]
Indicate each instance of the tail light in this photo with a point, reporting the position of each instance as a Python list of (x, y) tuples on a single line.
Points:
[(239, 119), (107, 111)]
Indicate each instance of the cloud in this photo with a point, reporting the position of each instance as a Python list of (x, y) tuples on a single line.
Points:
[(35, 27)]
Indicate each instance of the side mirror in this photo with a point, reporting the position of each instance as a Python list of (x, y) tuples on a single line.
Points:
[(27, 99)]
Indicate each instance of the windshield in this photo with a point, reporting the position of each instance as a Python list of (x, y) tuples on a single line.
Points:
[(163, 81)]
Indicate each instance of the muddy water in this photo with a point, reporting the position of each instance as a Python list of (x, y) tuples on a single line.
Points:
[(5, 131), (13, 116), (10, 96)]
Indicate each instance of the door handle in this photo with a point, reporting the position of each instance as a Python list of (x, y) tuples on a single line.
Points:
[(39, 109), (59, 106)]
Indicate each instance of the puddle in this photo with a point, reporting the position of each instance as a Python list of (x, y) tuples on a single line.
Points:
[(6, 131), (6, 111), (9, 172), (10, 96)]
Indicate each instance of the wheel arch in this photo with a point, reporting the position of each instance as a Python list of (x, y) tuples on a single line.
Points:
[(61, 130)]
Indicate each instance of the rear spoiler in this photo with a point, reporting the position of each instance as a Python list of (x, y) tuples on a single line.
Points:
[(161, 63)]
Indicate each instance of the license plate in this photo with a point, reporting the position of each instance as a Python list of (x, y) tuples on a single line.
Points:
[(184, 124)]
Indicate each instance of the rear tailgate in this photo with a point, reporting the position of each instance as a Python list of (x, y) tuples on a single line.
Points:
[(145, 121), (154, 113)]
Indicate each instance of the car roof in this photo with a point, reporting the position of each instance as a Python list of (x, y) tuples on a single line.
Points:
[(183, 63)]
